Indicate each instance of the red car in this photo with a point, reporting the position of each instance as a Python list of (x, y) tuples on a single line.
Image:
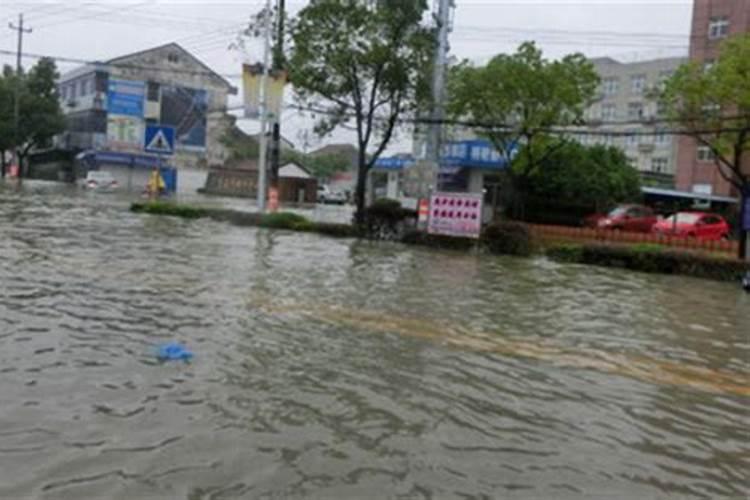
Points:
[(700, 225), (634, 218)]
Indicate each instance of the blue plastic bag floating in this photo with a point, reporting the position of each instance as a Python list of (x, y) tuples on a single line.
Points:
[(174, 352)]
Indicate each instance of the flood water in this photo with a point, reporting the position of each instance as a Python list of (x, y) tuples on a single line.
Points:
[(334, 369)]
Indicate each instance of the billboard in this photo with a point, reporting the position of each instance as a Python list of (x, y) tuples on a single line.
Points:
[(456, 214), (186, 110), (125, 97), (124, 133), (251, 83)]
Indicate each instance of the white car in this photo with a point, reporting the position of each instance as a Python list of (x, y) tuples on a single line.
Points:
[(325, 195), (99, 181)]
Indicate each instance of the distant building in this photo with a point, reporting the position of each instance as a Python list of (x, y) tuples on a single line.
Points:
[(713, 21), (625, 104), (109, 104)]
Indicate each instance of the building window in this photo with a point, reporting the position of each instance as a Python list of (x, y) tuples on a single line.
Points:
[(609, 86), (609, 111), (632, 161), (659, 165), (631, 139), (718, 27), (661, 138), (637, 84), (84, 87), (152, 92), (63, 91), (705, 154), (635, 110), (173, 58)]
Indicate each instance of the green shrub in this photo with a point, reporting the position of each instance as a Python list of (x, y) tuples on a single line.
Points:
[(286, 220), (507, 237), (652, 260), (565, 253), (166, 208), (385, 219)]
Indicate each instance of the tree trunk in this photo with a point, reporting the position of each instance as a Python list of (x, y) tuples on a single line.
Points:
[(3, 164), (359, 193), (743, 232)]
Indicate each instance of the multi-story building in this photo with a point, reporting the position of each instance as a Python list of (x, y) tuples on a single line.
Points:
[(626, 106), (713, 21), (108, 105)]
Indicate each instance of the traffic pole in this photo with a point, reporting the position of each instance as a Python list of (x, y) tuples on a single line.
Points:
[(262, 157), (17, 98)]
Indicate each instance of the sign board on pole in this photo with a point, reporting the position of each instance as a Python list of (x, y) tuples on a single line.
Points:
[(159, 140), (456, 214)]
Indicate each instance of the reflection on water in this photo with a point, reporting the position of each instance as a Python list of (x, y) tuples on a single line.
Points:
[(339, 369)]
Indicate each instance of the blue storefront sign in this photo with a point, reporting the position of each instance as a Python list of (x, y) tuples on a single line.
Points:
[(125, 97), (746, 212), (477, 153)]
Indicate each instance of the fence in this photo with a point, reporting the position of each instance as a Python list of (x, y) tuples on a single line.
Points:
[(581, 234)]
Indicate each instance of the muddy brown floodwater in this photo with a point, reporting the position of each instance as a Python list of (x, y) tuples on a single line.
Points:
[(334, 369)]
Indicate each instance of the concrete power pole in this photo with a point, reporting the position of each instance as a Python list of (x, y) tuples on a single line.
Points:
[(264, 110), (278, 65), (17, 98), (435, 135)]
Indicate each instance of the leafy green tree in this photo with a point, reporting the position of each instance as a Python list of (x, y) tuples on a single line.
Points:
[(41, 117), (598, 176), (515, 99), (712, 105), (6, 116), (363, 62)]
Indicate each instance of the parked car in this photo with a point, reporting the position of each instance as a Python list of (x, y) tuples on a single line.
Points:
[(326, 195), (700, 225), (99, 181), (635, 218)]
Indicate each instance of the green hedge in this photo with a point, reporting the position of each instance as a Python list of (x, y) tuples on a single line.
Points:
[(652, 259), (286, 220), (438, 241), (166, 208)]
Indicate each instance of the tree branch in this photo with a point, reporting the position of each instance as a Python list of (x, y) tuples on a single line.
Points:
[(391, 124), (720, 161)]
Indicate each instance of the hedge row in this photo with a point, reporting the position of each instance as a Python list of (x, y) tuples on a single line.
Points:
[(510, 238), (651, 259), (279, 220)]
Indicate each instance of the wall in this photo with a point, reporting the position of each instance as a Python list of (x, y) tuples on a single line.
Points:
[(691, 170)]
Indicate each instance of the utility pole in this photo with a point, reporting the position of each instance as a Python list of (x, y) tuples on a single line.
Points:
[(264, 109), (434, 138), (278, 66), (17, 98)]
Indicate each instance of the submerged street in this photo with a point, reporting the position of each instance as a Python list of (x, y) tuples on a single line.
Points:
[(329, 368)]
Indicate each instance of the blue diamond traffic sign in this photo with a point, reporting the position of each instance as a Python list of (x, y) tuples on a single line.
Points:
[(159, 139)]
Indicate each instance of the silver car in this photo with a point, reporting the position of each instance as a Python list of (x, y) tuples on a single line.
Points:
[(99, 181)]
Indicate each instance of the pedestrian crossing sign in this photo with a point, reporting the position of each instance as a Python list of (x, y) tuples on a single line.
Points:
[(159, 139)]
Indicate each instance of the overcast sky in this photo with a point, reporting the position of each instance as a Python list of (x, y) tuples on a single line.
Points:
[(626, 30)]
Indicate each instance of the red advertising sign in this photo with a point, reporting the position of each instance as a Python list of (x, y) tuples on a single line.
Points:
[(456, 214)]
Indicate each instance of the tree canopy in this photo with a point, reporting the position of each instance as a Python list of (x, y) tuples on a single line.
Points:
[(40, 116), (517, 99), (712, 105), (597, 176), (362, 63)]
